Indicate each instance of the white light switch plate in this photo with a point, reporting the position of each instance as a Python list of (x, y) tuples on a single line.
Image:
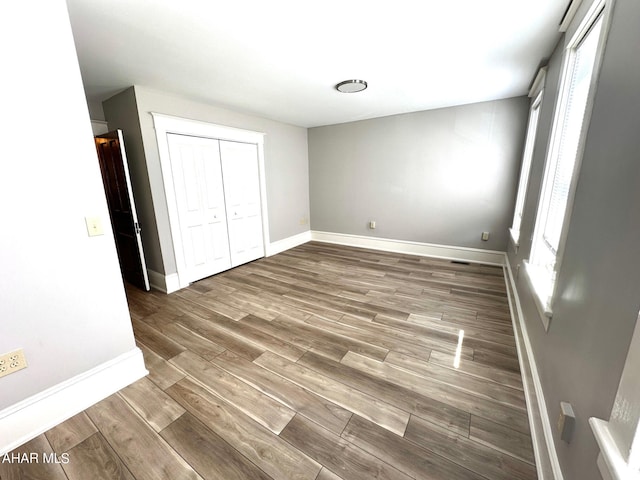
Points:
[(94, 226)]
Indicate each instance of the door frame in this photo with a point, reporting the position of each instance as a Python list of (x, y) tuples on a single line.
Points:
[(165, 124), (132, 205)]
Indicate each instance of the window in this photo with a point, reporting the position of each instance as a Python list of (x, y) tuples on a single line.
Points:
[(536, 93), (619, 438), (563, 159)]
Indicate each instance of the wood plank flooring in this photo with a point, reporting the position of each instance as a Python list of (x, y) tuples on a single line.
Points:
[(324, 362)]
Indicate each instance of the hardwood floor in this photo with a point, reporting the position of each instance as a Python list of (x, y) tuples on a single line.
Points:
[(323, 362)]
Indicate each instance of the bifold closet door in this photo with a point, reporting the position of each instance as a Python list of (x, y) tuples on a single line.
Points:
[(199, 191), (242, 198)]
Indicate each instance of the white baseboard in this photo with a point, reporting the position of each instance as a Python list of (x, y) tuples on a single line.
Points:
[(473, 255), (286, 243), (164, 283), (171, 283), (541, 433), (37, 414), (156, 280)]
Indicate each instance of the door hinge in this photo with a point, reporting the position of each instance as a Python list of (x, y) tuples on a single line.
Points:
[(137, 228)]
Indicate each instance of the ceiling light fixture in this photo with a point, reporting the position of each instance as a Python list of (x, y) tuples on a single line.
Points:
[(351, 86)]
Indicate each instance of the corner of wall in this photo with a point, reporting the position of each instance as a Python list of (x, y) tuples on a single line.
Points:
[(280, 246), (35, 415)]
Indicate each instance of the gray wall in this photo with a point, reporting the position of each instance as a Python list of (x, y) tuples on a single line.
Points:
[(440, 176), (580, 358), (61, 293), (286, 165), (95, 110), (122, 112)]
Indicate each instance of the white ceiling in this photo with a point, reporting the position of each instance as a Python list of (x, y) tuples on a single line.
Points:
[(281, 59)]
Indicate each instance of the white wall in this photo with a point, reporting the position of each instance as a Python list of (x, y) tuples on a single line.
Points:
[(61, 294)]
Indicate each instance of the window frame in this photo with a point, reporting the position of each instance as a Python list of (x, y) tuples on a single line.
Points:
[(542, 282), (537, 94), (619, 437)]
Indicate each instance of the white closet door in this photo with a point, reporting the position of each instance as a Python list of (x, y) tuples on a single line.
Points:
[(242, 195), (197, 178)]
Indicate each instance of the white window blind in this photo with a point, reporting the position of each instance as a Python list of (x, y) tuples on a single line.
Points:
[(572, 123), (526, 166), (560, 171)]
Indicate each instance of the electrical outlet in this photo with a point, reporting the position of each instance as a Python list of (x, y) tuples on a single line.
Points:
[(566, 421), (12, 362), (485, 236)]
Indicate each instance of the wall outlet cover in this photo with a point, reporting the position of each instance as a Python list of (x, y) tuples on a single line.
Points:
[(12, 362), (566, 421)]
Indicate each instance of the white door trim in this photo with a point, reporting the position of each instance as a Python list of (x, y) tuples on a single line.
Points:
[(134, 211), (165, 124)]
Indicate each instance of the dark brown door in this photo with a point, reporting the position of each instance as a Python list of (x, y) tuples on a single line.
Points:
[(122, 209)]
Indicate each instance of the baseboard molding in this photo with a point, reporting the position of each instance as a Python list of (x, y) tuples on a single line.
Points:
[(541, 431), (171, 283), (37, 414), (286, 243), (449, 252), (164, 283)]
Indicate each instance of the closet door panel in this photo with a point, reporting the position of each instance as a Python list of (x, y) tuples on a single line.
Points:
[(215, 212), (197, 176), (242, 196)]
